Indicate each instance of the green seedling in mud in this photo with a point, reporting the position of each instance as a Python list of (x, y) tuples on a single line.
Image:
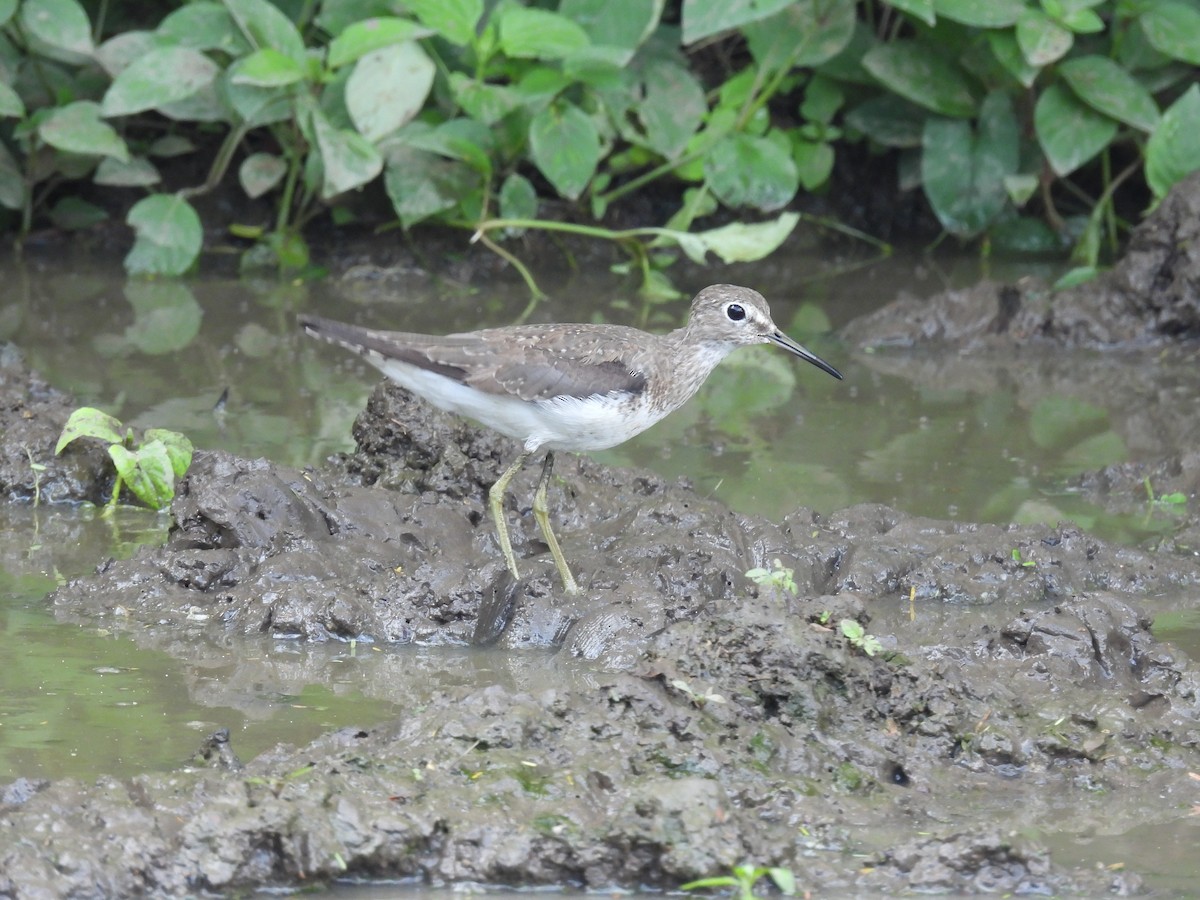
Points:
[(858, 637), (743, 878), (1016, 557), (37, 468), (1168, 500), (698, 697), (148, 467), (778, 577)]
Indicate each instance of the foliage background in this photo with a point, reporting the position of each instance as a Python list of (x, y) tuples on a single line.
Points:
[(1021, 121)]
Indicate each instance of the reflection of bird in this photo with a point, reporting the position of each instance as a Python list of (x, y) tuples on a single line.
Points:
[(566, 387)]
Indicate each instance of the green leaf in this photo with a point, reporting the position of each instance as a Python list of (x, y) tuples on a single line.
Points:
[(161, 76), (921, 9), (518, 199), (565, 146), (487, 103), (266, 68), (421, 184), (806, 33), (739, 242), (147, 473), (671, 109), (614, 23), (1041, 39), (369, 35), (1077, 276), (12, 181), (169, 236), (89, 422), (744, 170), (267, 27), (890, 121), (702, 18), (1070, 132), (204, 26), (913, 70), (1008, 53), (75, 213), (349, 160), (1173, 28), (981, 13), (8, 9), (388, 87), (179, 448), (455, 20), (10, 103), (61, 26), (1173, 150), (814, 162), (964, 172), (527, 33), (259, 172), (166, 316), (137, 172), (1108, 88), (76, 128)]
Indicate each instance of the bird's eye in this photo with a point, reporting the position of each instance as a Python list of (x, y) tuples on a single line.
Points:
[(735, 312)]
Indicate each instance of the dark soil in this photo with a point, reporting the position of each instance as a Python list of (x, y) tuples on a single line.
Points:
[(686, 720)]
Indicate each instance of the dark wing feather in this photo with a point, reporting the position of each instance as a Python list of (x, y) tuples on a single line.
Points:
[(542, 380), (388, 344)]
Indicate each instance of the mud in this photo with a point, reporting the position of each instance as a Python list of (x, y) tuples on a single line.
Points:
[(684, 720)]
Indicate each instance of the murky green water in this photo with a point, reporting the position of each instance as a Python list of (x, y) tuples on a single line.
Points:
[(766, 435)]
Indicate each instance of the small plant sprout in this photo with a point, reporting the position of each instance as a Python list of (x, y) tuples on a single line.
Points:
[(698, 697), (858, 637), (778, 577), (743, 878), (1173, 499), (1016, 557), (37, 468), (148, 468)]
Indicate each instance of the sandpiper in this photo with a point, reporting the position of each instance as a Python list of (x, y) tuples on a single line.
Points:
[(566, 387)]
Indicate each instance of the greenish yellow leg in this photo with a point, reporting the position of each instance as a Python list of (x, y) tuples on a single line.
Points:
[(541, 512), (496, 504)]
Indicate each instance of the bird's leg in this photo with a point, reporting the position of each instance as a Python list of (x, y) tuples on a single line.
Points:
[(541, 512), (496, 504)]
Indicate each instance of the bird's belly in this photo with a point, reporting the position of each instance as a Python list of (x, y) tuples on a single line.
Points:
[(593, 423)]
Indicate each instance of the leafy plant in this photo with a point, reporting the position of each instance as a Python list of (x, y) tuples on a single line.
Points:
[(743, 879), (778, 577), (858, 637), (1175, 498), (148, 467)]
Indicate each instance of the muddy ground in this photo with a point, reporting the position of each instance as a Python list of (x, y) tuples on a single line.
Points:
[(688, 720)]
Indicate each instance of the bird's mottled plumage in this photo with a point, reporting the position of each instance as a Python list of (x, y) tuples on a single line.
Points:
[(567, 387)]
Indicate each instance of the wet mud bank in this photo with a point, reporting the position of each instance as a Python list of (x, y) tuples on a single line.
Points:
[(683, 719)]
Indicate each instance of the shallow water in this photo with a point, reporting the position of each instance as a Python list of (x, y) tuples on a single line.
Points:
[(766, 435)]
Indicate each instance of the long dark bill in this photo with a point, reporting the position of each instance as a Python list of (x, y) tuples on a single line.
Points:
[(792, 347)]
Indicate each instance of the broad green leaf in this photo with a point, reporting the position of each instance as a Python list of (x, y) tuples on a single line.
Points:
[(806, 33), (61, 26), (147, 473), (1041, 39), (1173, 28), (963, 170), (169, 236), (163, 75), (137, 172), (266, 68), (565, 146), (12, 181), (10, 103), (76, 214), (179, 448), (349, 159), (914, 71), (77, 128), (388, 87), (615, 23), (518, 199), (487, 103), (527, 33), (921, 9), (744, 170), (421, 184), (739, 242), (166, 316), (1008, 53), (259, 172), (171, 145), (119, 52), (455, 20), (8, 8), (258, 106), (334, 18), (1106, 87), (204, 26), (981, 13), (1070, 132), (671, 109), (702, 18), (814, 162), (89, 422), (369, 35), (1173, 151), (888, 120), (266, 26)]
